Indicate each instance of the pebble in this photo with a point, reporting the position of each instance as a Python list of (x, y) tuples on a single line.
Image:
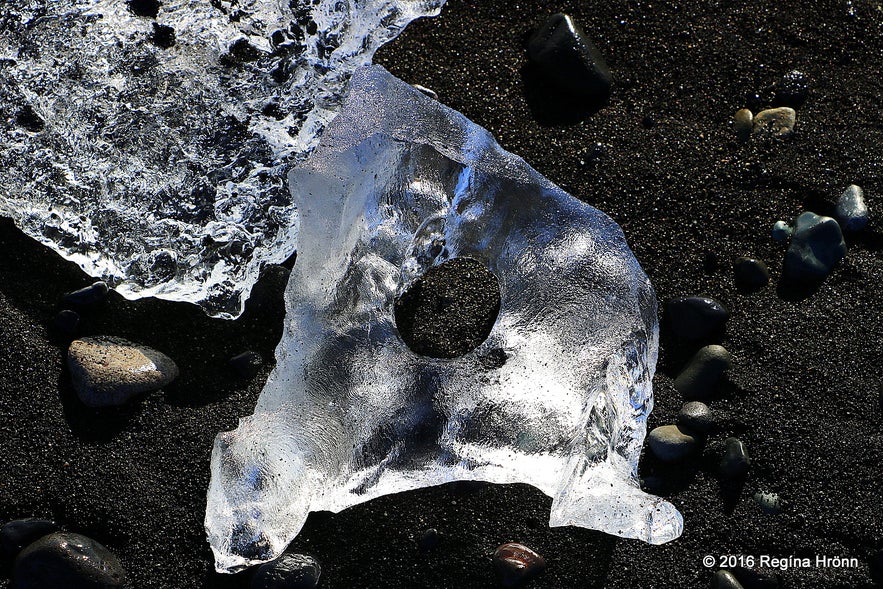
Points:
[(516, 564), (428, 540), (792, 89), (743, 123), (87, 296), (724, 579), (769, 503), (750, 274), (67, 322), (247, 364), (735, 463), (72, 561), (289, 571), (696, 318), (817, 246), (17, 534), (428, 91), (108, 371), (702, 373), (852, 212), (778, 122), (696, 416), (782, 231), (565, 54), (670, 443)]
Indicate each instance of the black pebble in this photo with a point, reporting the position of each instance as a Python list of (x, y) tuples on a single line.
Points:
[(146, 8), (757, 578), (17, 534), (696, 416), (724, 579), (791, 90), (565, 55), (750, 274), (67, 322), (428, 540), (67, 560), (289, 571), (247, 364), (88, 296), (28, 119), (735, 463), (696, 318)]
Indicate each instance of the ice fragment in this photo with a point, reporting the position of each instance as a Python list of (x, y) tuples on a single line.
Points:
[(149, 141), (400, 184)]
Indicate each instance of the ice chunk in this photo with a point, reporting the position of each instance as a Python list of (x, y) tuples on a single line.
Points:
[(149, 141), (399, 184)]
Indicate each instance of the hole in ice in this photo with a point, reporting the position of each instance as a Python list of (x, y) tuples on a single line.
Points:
[(148, 8), (450, 310)]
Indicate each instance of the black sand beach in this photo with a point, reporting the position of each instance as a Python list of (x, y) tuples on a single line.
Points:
[(662, 159)]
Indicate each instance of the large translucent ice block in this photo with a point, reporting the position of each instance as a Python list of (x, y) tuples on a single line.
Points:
[(400, 183), (149, 141)]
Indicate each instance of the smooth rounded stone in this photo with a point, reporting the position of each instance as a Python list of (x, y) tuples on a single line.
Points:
[(852, 212), (735, 462), (792, 89), (428, 540), (72, 561), (751, 274), (247, 364), (724, 579), (817, 246), (289, 571), (670, 443), (757, 577), (769, 503), (108, 371), (428, 91), (17, 534), (696, 416), (777, 122), (87, 296), (743, 123), (782, 231), (696, 318), (67, 322), (566, 55), (516, 564), (704, 370)]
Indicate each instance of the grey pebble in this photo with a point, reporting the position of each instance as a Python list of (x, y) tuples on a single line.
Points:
[(724, 579), (736, 462), (67, 560), (87, 296), (108, 371), (17, 534), (696, 416), (750, 274), (670, 443), (817, 246), (852, 212), (702, 373), (782, 231), (289, 571), (769, 503), (516, 564), (777, 122)]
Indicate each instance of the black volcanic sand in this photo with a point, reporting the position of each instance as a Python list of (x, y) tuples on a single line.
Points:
[(662, 159)]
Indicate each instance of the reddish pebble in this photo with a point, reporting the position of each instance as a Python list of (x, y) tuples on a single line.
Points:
[(516, 564)]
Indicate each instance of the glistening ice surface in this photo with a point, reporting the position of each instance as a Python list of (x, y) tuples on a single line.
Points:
[(149, 140), (557, 396)]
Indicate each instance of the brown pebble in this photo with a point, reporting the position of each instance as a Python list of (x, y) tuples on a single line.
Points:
[(517, 564)]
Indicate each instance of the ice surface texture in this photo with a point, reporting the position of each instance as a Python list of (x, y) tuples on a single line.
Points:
[(398, 184), (148, 141)]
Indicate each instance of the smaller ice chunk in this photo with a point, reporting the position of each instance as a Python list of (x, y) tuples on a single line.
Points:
[(398, 185)]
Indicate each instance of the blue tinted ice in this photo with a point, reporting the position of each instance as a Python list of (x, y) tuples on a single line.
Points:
[(148, 141), (398, 184)]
